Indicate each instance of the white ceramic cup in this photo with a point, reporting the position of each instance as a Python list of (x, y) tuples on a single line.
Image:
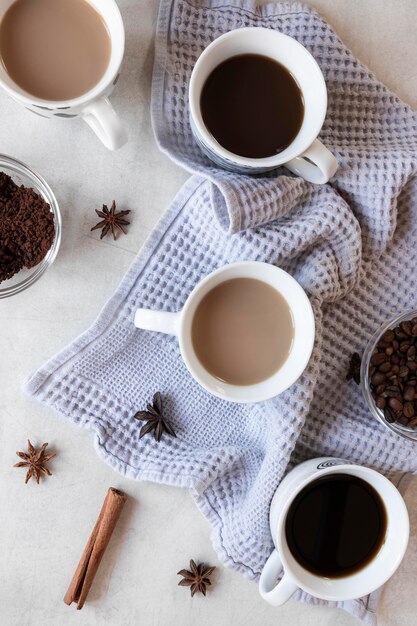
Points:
[(356, 585), (180, 324), (94, 106), (306, 155)]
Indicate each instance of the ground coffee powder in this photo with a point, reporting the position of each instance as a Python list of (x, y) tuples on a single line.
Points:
[(27, 227)]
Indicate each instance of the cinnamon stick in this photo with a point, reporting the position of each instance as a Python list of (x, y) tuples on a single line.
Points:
[(96, 545)]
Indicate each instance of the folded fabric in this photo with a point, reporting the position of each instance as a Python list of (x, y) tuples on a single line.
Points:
[(351, 244)]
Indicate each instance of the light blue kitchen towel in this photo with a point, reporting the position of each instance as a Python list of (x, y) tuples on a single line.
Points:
[(351, 244)]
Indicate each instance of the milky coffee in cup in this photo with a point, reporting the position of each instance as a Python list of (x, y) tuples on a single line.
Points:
[(54, 49), (242, 331)]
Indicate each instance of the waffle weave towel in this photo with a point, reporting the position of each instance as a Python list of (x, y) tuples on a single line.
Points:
[(351, 244)]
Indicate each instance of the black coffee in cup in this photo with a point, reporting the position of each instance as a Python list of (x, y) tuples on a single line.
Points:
[(336, 525), (252, 105)]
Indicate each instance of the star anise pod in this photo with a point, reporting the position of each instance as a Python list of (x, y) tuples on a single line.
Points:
[(354, 370), (110, 220), (36, 461), (197, 579), (155, 421)]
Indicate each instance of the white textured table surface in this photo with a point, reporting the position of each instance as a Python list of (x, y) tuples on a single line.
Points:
[(44, 528)]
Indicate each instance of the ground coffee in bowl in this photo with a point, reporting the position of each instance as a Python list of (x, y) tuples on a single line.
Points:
[(27, 228)]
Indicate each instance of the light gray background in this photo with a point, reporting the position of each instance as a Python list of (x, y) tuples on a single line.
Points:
[(43, 529)]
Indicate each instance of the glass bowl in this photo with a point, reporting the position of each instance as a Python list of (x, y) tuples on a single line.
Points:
[(21, 174), (409, 432)]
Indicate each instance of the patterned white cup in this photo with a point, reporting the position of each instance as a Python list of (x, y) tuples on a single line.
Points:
[(180, 324), (294, 576), (94, 106), (306, 156)]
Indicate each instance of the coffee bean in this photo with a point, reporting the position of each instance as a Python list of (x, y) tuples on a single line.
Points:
[(413, 421), (378, 358), (393, 391), (411, 353), (406, 327), (385, 367), (380, 402), (388, 335), (412, 366), (389, 415), (409, 409), (395, 404), (404, 371), (382, 345), (395, 359), (404, 345), (378, 378), (414, 330), (409, 394)]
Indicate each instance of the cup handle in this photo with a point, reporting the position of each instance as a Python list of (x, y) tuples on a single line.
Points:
[(317, 164), (275, 594), (105, 122), (158, 321)]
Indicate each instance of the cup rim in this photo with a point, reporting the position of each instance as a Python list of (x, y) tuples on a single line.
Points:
[(269, 387), (279, 540), (116, 58), (213, 144)]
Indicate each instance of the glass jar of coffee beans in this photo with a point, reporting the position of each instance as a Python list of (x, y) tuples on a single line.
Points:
[(389, 374)]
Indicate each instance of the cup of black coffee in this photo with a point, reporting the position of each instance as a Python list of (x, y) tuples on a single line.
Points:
[(257, 101), (340, 531)]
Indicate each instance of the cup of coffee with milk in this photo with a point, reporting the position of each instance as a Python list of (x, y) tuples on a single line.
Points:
[(246, 331), (61, 59)]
